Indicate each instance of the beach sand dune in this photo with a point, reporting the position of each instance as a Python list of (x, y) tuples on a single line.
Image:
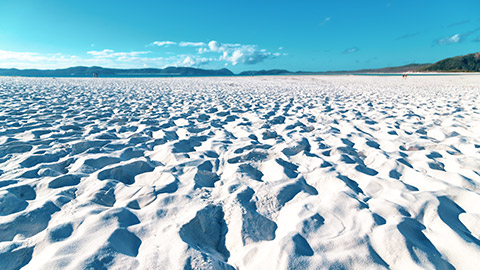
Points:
[(294, 172)]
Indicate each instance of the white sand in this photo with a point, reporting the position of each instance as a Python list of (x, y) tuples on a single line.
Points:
[(340, 172)]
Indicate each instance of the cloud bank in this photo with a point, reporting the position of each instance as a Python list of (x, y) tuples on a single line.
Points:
[(105, 58), (227, 53), (193, 54), (238, 53)]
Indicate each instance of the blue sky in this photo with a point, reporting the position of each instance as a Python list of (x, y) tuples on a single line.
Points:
[(239, 35)]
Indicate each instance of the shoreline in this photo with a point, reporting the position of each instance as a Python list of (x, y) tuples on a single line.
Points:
[(273, 75)]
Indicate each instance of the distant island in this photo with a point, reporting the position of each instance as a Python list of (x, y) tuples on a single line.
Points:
[(400, 69), (107, 72), (465, 63)]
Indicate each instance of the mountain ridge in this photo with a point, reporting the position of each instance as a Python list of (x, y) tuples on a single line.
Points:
[(463, 63)]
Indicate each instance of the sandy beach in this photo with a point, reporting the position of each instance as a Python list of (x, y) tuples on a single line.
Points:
[(280, 172)]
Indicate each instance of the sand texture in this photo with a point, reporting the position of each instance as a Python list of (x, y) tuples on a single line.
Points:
[(296, 172)]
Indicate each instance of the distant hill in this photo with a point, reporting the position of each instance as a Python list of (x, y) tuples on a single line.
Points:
[(465, 63), (81, 71), (400, 69), (101, 72)]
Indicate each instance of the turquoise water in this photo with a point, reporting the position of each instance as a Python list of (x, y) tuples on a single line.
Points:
[(409, 74)]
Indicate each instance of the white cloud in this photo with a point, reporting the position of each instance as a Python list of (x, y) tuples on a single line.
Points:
[(193, 61), (106, 53), (188, 61), (105, 58), (238, 53), (450, 40), (351, 50), (247, 55), (181, 44), (191, 44), (23, 56), (163, 43), (214, 46), (325, 20), (11, 59), (232, 53), (202, 54), (457, 38)]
